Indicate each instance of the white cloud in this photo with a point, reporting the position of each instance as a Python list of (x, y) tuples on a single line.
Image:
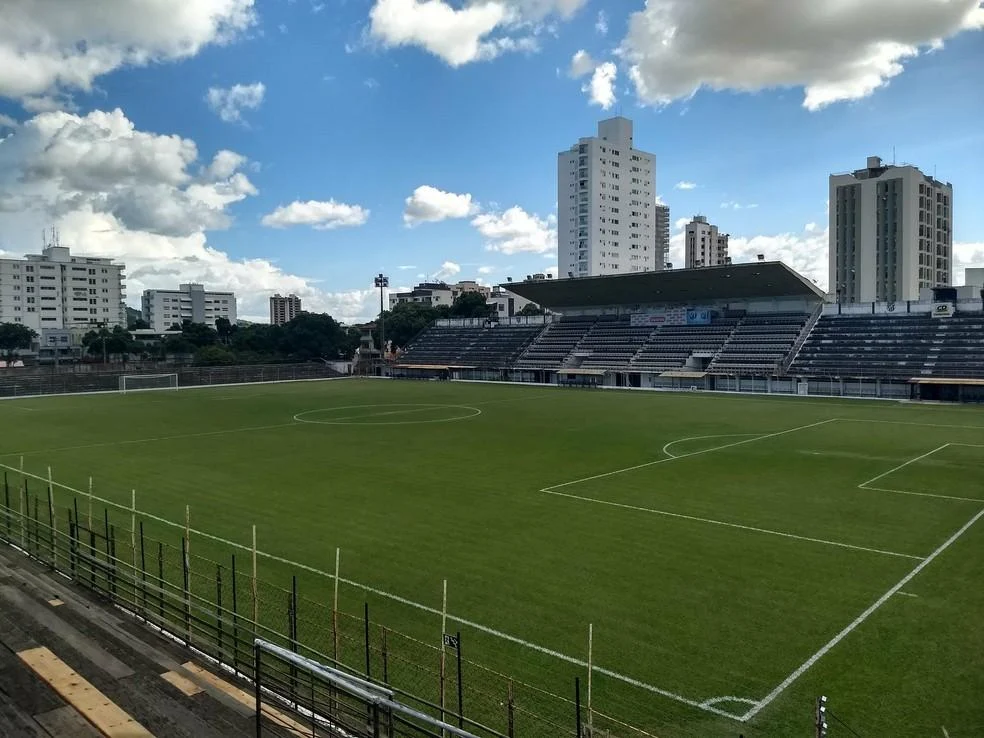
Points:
[(282, 28), (230, 102), (834, 50), (680, 223), (966, 255), (430, 205), (477, 31), (684, 185), (514, 231), (406, 267), (581, 64), (601, 23), (448, 270), (486, 270), (601, 88), (48, 46), (731, 204), (371, 83), (146, 200), (810, 227), (7, 122), (321, 215)]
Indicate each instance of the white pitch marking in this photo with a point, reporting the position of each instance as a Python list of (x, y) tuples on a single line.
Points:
[(903, 466), (921, 494), (969, 445), (417, 408), (858, 620), (701, 438), (711, 521), (688, 455), (149, 440), (717, 700), (907, 594), (404, 601), (945, 734)]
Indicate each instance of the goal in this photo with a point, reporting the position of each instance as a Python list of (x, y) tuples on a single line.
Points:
[(145, 382)]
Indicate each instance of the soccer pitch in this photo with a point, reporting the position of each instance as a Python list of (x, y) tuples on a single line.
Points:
[(735, 556)]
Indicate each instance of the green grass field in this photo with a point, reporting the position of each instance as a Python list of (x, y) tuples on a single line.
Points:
[(735, 556)]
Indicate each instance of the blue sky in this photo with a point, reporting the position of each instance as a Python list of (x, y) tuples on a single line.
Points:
[(355, 104)]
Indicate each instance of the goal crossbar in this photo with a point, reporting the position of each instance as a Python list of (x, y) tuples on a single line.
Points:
[(147, 382)]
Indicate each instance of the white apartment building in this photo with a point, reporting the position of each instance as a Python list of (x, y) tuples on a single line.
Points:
[(661, 225), (891, 233), (163, 308), (606, 199), (55, 290), (704, 245), (438, 293), (505, 303), (284, 309)]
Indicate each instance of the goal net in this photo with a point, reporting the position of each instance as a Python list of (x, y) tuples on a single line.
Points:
[(144, 382)]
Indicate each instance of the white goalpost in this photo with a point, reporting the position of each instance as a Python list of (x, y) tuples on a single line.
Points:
[(146, 382)]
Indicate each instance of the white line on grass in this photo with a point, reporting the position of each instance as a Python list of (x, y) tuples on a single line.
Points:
[(397, 598), (907, 594), (729, 698), (921, 494), (701, 438), (903, 465), (857, 621), (908, 422), (688, 455), (723, 523)]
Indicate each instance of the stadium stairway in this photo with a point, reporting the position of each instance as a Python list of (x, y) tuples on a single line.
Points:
[(759, 344), (69, 663)]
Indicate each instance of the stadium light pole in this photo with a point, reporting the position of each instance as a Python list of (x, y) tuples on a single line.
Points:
[(382, 282)]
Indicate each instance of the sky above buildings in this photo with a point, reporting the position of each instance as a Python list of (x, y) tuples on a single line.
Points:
[(306, 145)]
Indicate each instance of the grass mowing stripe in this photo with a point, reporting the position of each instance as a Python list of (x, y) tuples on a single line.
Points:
[(858, 620)]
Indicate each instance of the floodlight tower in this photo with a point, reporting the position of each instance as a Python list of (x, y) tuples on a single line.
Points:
[(382, 282)]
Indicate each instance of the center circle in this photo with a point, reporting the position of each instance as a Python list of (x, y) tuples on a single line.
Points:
[(387, 414)]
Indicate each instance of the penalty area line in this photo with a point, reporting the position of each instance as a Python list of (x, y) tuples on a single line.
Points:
[(805, 666)]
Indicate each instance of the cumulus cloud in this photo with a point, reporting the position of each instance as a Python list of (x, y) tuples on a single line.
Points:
[(685, 185), (581, 64), (477, 31), (515, 231), (835, 51), (48, 46), (601, 88), (7, 122), (448, 270), (321, 215), (230, 102), (732, 205), (601, 23), (430, 205), (965, 256), (486, 270), (146, 200)]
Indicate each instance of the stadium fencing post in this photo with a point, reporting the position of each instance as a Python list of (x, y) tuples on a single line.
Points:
[(385, 653), (218, 610), (235, 618), (90, 503), (461, 710), (143, 572), (365, 620), (256, 600), (6, 501), (292, 632), (23, 499), (133, 527), (187, 592), (112, 557), (71, 544), (444, 622), (334, 606), (160, 579), (577, 705), (52, 522), (511, 711), (590, 670)]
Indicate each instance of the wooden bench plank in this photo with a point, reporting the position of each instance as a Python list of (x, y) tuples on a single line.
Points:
[(66, 722), (182, 683), (92, 704)]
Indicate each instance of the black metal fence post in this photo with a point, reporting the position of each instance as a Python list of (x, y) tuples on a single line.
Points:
[(368, 655), (143, 571), (111, 546), (218, 609), (382, 630), (72, 551), (186, 590), (292, 634), (37, 531), (51, 530), (461, 711), (511, 712), (235, 618), (160, 580), (6, 502), (577, 705), (257, 675)]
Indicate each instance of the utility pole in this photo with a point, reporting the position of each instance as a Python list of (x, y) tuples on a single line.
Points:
[(382, 282)]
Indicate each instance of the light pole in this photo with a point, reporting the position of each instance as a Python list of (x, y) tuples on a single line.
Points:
[(382, 282)]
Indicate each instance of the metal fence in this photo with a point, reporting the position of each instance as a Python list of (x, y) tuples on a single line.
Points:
[(221, 608)]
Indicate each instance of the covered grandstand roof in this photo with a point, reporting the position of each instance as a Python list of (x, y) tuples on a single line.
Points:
[(760, 279)]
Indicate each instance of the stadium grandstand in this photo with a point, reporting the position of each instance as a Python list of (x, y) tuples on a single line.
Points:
[(757, 327)]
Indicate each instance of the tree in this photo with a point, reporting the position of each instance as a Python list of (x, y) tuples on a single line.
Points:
[(407, 319), (313, 336), (214, 356), (139, 324), (470, 305), (14, 336), (224, 328), (106, 343), (531, 308), (198, 334)]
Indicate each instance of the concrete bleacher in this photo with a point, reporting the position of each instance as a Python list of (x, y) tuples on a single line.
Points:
[(672, 346), (471, 346), (557, 341), (894, 346), (759, 344), (611, 343)]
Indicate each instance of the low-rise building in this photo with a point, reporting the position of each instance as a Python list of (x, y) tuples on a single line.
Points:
[(190, 302)]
